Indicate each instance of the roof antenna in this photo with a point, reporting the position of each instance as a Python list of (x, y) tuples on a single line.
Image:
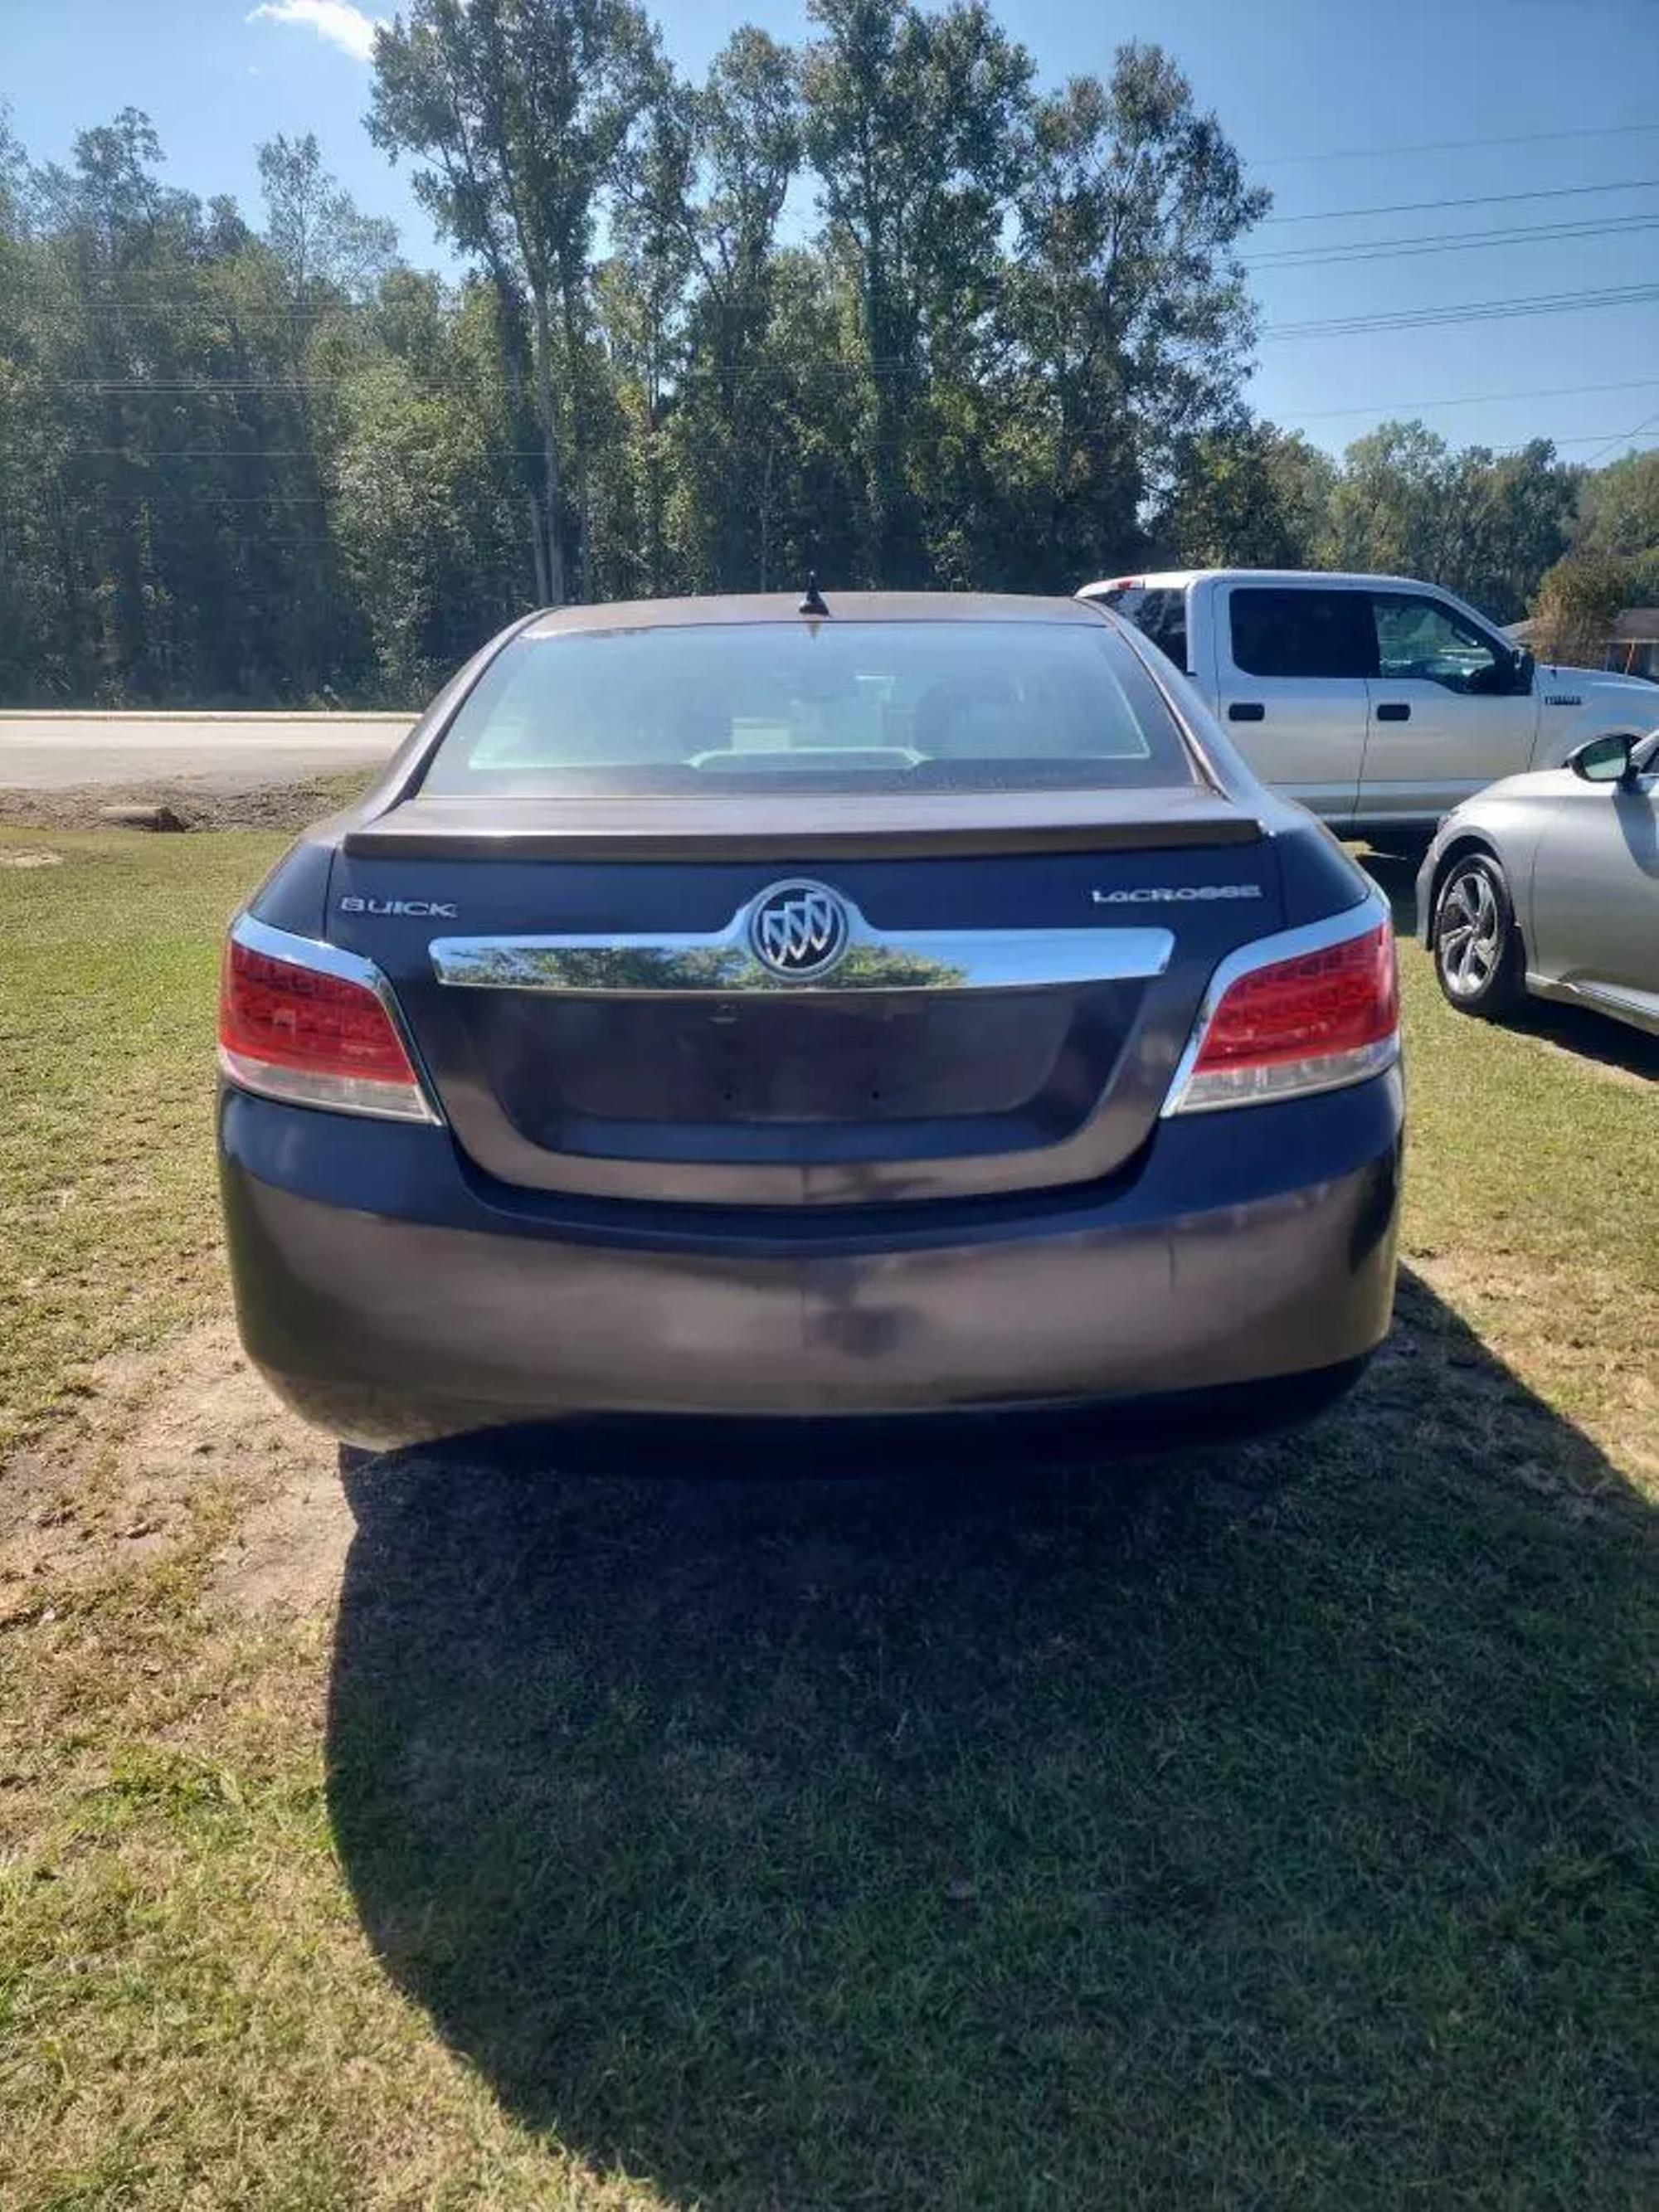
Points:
[(814, 602)]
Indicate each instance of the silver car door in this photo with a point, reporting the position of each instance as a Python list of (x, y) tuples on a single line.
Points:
[(1291, 662), (1447, 716), (1594, 899)]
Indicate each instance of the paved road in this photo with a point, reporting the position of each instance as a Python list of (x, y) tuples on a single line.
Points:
[(222, 752)]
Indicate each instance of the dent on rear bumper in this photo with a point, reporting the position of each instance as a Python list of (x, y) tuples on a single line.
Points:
[(388, 1297)]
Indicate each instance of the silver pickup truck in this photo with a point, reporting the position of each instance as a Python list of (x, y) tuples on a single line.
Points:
[(1375, 700)]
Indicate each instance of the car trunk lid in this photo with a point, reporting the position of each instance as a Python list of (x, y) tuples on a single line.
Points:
[(1023, 970)]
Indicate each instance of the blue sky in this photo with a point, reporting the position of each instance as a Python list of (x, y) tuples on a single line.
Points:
[(1337, 105)]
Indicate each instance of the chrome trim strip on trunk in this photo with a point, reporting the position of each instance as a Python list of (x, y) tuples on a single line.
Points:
[(890, 960)]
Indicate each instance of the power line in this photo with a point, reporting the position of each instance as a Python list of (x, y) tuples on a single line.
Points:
[(1294, 257), (1380, 409), (1455, 145), (1475, 311), (1482, 398), (1622, 438), (1358, 249), (1473, 199), (1590, 460), (1389, 249), (211, 500), (295, 387), (1321, 256), (1336, 326), (242, 312)]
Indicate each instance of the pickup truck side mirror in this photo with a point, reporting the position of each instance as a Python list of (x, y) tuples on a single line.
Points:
[(1522, 665), (1602, 760)]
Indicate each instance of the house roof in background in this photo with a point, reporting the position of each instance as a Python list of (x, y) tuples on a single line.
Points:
[(1635, 626)]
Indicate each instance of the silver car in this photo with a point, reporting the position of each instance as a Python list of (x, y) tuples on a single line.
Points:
[(1549, 884)]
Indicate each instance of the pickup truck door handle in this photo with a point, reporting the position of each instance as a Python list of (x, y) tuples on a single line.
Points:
[(1247, 710), (1394, 710)]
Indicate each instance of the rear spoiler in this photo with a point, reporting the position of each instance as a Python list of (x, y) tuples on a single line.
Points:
[(847, 825)]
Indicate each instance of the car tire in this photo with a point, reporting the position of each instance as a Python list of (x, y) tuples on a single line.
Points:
[(1478, 958)]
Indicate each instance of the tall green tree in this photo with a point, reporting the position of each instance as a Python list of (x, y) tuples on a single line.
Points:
[(1619, 508), (325, 247), (914, 125), (1485, 525), (738, 436), (1127, 301), (1576, 605), (640, 301), (423, 498), (1510, 519), (1388, 509), (519, 112), (1256, 498)]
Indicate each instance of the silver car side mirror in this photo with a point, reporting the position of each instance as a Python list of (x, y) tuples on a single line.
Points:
[(1602, 760)]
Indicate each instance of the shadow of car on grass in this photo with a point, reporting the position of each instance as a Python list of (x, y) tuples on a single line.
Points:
[(1254, 1826)]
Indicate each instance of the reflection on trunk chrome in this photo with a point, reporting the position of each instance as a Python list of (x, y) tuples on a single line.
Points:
[(739, 958)]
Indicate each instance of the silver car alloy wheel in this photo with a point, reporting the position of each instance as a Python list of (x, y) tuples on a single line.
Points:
[(1469, 932)]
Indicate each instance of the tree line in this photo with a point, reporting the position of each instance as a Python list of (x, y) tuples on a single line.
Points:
[(880, 306)]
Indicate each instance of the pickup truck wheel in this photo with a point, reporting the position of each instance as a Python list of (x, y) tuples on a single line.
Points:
[(1477, 947)]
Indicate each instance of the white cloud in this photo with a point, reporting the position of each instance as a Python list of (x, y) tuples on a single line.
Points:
[(337, 20)]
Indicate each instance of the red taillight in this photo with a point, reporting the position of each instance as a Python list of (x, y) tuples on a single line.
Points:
[(1324, 1002), (1309, 1022), (300, 1033)]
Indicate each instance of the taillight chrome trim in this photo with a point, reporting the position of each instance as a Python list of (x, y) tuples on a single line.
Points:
[(339, 1094), (1358, 1064)]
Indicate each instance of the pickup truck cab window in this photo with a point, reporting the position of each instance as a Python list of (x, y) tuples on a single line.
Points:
[(1163, 617), (1159, 614), (1296, 632), (1417, 636)]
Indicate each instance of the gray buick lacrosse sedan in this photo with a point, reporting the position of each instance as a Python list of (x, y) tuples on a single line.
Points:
[(821, 1018)]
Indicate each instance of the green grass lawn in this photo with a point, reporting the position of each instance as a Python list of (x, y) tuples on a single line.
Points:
[(1272, 1828), (108, 966)]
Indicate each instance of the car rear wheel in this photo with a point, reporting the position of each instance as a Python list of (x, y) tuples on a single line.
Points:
[(1477, 947)]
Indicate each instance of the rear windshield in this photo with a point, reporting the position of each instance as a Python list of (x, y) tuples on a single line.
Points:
[(842, 705)]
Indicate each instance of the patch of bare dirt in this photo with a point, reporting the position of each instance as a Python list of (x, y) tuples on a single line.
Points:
[(30, 856), (290, 1554), (196, 805), (121, 1480)]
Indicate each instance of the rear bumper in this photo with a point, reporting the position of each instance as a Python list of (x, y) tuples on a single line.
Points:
[(391, 1295)]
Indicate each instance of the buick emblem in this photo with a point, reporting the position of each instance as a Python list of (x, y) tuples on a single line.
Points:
[(798, 930)]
